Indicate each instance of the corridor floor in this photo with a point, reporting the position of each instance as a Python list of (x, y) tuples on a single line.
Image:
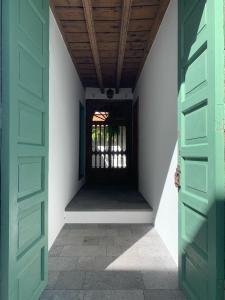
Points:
[(98, 197), (111, 262)]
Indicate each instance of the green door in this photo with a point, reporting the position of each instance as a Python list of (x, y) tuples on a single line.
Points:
[(25, 149), (201, 148)]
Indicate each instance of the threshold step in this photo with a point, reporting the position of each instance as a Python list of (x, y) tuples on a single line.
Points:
[(110, 217), (108, 204)]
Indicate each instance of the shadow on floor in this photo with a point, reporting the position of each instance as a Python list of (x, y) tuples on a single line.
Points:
[(113, 262)]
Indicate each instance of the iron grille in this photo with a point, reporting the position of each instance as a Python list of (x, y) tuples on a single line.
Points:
[(109, 146)]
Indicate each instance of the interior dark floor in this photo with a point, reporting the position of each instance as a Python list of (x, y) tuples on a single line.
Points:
[(99, 197)]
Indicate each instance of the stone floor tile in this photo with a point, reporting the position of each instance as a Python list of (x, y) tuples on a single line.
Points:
[(88, 231), (141, 229), (86, 263), (91, 241), (163, 262), (71, 250), (62, 263), (124, 232), (103, 263), (61, 295), (107, 241), (127, 263), (113, 280), (69, 239), (108, 226), (114, 250), (111, 261), (125, 295), (153, 250), (97, 263), (114, 295), (72, 226), (121, 250), (69, 280), (97, 295), (55, 250), (97, 232), (163, 279), (138, 263), (127, 241), (113, 231), (52, 279), (147, 240), (63, 232), (164, 295), (79, 226)]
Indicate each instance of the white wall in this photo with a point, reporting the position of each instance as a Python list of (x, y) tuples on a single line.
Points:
[(157, 91), (65, 92), (95, 93)]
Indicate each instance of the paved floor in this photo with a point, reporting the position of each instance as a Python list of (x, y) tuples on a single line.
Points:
[(110, 262), (95, 197)]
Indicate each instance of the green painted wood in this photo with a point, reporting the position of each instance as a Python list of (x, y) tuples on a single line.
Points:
[(201, 149), (0, 128), (24, 158)]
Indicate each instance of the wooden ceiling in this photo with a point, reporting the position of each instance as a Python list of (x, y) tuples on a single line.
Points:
[(109, 40)]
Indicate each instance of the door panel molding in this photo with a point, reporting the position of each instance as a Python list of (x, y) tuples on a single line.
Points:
[(24, 192), (201, 149)]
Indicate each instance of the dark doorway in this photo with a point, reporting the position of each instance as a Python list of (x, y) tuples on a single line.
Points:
[(81, 141), (135, 142), (109, 135)]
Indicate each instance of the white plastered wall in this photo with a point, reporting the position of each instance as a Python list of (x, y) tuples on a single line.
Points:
[(65, 93), (157, 91)]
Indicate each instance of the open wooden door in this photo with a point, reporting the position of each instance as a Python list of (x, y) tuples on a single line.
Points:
[(24, 158), (201, 148)]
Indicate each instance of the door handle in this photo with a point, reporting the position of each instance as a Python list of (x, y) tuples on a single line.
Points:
[(177, 177)]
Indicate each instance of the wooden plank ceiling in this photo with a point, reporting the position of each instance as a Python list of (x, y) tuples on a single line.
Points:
[(109, 40)]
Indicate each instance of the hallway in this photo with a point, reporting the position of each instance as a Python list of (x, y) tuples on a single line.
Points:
[(113, 262)]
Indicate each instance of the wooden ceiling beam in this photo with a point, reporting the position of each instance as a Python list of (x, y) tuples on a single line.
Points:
[(88, 13), (125, 20), (157, 22)]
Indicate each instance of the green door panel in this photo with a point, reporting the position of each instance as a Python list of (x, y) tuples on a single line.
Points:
[(201, 149), (24, 190)]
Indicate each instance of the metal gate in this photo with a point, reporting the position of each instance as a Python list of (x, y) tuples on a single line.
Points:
[(108, 140), (109, 149)]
